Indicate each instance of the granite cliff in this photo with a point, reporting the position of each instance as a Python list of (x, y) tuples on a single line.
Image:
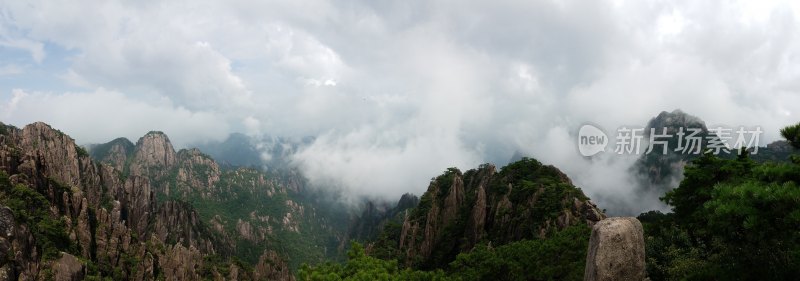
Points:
[(69, 217)]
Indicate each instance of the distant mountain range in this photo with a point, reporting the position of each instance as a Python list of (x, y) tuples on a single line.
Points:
[(268, 152)]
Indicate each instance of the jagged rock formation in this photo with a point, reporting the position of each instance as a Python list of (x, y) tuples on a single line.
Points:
[(65, 216), (271, 267), (153, 156), (247, 210), (525, 200), (177, 221), (659, 170), (68, 268), (616, 251)]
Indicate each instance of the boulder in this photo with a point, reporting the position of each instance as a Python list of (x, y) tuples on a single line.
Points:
[(68, 268), (616, 251), (6, 222)]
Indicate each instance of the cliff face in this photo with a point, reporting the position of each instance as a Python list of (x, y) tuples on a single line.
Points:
[(153, 156), (65, 216), (525, 200)]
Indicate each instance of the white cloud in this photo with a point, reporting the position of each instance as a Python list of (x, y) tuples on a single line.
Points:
[(377, 162), (10, 39), (100, 116), (404, 90)]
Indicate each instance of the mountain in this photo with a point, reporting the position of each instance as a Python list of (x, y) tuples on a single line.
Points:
[(66, 216), (524, 200), (138, 211), (657, 173), (274, 210), (660, 172), (252, 210)]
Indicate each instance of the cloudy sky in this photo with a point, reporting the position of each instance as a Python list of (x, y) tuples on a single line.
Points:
[(396, 91)]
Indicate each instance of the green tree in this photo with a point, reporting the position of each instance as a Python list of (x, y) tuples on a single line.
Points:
[(32, 208), (360, 266), (560, 257), (792, 134), (733, 219)]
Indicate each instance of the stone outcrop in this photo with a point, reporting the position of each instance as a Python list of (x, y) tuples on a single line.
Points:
[(246, 230), (83, 231), (477, 216), (68, 268), (616, 251), (271, 267), (6, 222), (7, 231)]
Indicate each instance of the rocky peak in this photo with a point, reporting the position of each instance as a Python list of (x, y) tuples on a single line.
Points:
[(114, 153), (153, 155), (657, 172), (55, 153), (525, 200), (674, 120)]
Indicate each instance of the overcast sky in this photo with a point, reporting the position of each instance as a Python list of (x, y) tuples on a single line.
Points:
[(397, 91)]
